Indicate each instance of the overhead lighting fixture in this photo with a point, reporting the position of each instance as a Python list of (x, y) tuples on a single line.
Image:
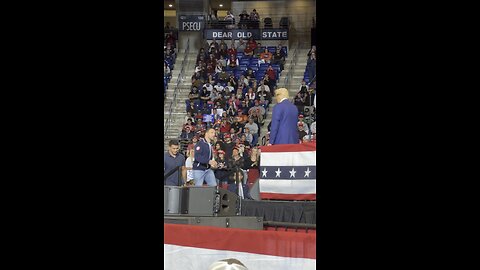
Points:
[(221, 5), (170, 5)]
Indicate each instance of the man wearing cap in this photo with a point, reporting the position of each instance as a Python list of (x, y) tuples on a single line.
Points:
[(301, 119), (204, 162), (301, 131), (284, 120)]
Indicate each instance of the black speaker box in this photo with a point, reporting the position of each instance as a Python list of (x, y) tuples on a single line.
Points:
[(200, 201)]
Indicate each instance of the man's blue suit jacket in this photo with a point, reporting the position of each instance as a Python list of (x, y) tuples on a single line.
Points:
[(284, 123)]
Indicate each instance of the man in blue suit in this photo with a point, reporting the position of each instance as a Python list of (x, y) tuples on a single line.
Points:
[(284, 120)]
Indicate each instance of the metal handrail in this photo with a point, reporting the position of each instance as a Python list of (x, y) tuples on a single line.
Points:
[(176, 90), (293, 62)]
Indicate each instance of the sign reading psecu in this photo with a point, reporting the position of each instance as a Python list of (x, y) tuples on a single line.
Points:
[(191, 22)]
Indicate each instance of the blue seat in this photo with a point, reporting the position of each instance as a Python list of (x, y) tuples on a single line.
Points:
[(242, 67), (253, 67), (276, 67), (285, 50), (272, 49), (240, 54), (245, 62)]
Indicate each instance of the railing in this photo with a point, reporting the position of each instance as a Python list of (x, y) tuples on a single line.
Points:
[(174, 102), (293, 62)]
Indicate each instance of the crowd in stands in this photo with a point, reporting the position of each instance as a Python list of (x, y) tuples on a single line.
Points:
[(232, 89), (169, 54), (245, 20)]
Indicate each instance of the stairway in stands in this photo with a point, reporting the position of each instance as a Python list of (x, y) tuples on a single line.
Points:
[(178, 109), (297, 71)]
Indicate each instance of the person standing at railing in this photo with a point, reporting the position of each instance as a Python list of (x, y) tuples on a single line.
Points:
[(172, 159)]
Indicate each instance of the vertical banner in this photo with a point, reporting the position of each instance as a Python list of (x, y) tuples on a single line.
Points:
[(191, 22)]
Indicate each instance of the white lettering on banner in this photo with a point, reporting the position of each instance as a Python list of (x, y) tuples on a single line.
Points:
[(242, 35), (191, 26), (222, 35), (274, 34)]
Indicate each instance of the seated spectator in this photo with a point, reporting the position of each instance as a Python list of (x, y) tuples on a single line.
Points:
[(263, 96), (253, 129), (301, 120), (253, 160), (270, 83), (244, 19), (214, 44), (233, 82), (242, 118), (251, 95), (313, 127), (263, 87), (258, 50), (301, 131), (228, 145), (232, 50), (248, 51), (204, 97), (223, 76), (271, 73), (169, 38), (218, 87), (224, 126), (187, 133), (171, 49), (279, 58), (194, 95), (265, 56), (209, 87), (249, 72), (254, 19), (248, 136), (258, 109), (252, 43), (201, 53), (241, 45), (236, 161), (229, 20), (232, 62), (309, 97), (218, 67), (223, 50), (243, 80), (303, 88)]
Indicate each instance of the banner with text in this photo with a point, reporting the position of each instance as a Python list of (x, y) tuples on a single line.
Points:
[(257, 34), (191, 22)]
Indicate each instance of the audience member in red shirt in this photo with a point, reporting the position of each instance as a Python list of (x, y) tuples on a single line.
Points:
[(252, 43), (271, 73), (224, 126), (248, 50), (232, 51)]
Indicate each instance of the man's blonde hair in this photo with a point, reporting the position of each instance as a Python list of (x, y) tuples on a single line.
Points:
[(282, 92)]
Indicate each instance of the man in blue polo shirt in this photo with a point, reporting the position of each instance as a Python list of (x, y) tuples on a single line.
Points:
[(171, 160), (203, 164)]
